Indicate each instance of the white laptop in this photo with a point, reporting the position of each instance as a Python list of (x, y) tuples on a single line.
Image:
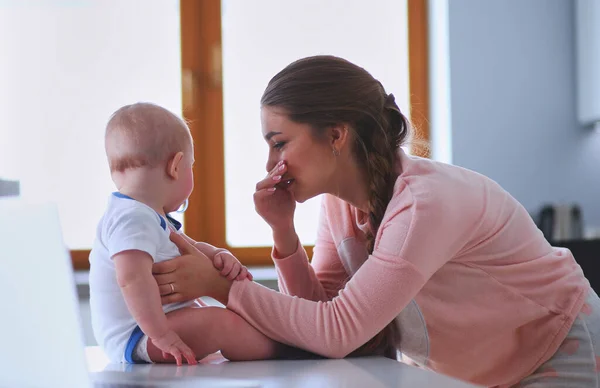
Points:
[(40, 330)]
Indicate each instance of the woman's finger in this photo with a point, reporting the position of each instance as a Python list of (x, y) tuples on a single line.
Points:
[(171, 298), (164, 279), (165, 289), (184, 246), (279, 169), (166, 266), (268, 182), (273, 178), (260, 196)]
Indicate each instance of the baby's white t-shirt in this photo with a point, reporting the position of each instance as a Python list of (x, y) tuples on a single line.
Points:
[(127, 224)]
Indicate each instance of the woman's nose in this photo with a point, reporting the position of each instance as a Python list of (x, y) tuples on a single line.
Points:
[(271, 163)]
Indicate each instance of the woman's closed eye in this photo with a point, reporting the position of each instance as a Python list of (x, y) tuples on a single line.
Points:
[(279, 145)]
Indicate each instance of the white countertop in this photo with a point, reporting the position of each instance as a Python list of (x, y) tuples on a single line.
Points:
[(215, 371)]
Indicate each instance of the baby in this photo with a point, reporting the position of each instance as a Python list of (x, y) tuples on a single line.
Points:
[(151, 154)]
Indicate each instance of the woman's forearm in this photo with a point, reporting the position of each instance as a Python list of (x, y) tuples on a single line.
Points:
[(285, 242), (220, 289), (378, 292)]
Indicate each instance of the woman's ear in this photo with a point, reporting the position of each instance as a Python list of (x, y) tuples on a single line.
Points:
[(338, 136), (174, 165)]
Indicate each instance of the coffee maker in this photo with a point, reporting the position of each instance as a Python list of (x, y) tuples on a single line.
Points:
[(561, 222)]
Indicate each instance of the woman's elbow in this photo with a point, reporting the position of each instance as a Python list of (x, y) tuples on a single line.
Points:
[(337, 355), (337, 352)]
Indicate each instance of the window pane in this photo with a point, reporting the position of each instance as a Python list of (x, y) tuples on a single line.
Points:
[(65, 66), (261, 37)]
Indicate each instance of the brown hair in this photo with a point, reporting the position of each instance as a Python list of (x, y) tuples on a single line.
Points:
[(324, 91), (144, 135)]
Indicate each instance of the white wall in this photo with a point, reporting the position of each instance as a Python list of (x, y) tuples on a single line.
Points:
[(512, 71)]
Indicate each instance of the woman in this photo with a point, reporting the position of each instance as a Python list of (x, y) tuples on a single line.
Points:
[(433, 260)]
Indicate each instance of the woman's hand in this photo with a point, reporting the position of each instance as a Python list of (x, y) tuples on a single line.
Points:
[(189, 276), (273, 202), (276, 206)]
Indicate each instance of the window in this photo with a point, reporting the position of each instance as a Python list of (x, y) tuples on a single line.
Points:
[(261, 37), (234, 50)]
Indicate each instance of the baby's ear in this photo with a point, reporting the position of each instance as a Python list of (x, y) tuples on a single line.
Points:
[(174, 165)]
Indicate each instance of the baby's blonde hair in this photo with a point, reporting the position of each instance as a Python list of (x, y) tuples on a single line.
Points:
[(144, 135)]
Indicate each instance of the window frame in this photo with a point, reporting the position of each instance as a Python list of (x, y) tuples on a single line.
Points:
[(202, 90)]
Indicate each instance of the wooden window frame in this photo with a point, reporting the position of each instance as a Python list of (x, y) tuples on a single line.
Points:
[(203, 109)]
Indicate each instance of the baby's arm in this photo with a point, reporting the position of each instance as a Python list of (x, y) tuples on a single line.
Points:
[(223, 260), (140, 291), (210, 329)]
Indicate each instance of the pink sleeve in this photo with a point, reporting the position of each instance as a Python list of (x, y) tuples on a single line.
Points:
[(320, 280), (371, 299)]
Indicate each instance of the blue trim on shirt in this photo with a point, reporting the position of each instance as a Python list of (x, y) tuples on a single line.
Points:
[(119, 195), (136, 336), (163, 224), (176, 224)]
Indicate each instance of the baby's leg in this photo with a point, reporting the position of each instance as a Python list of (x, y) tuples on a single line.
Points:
[(207, 330)]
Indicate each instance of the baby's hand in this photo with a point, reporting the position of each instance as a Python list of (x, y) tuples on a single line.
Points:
[(230, 266), (170, 343)]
